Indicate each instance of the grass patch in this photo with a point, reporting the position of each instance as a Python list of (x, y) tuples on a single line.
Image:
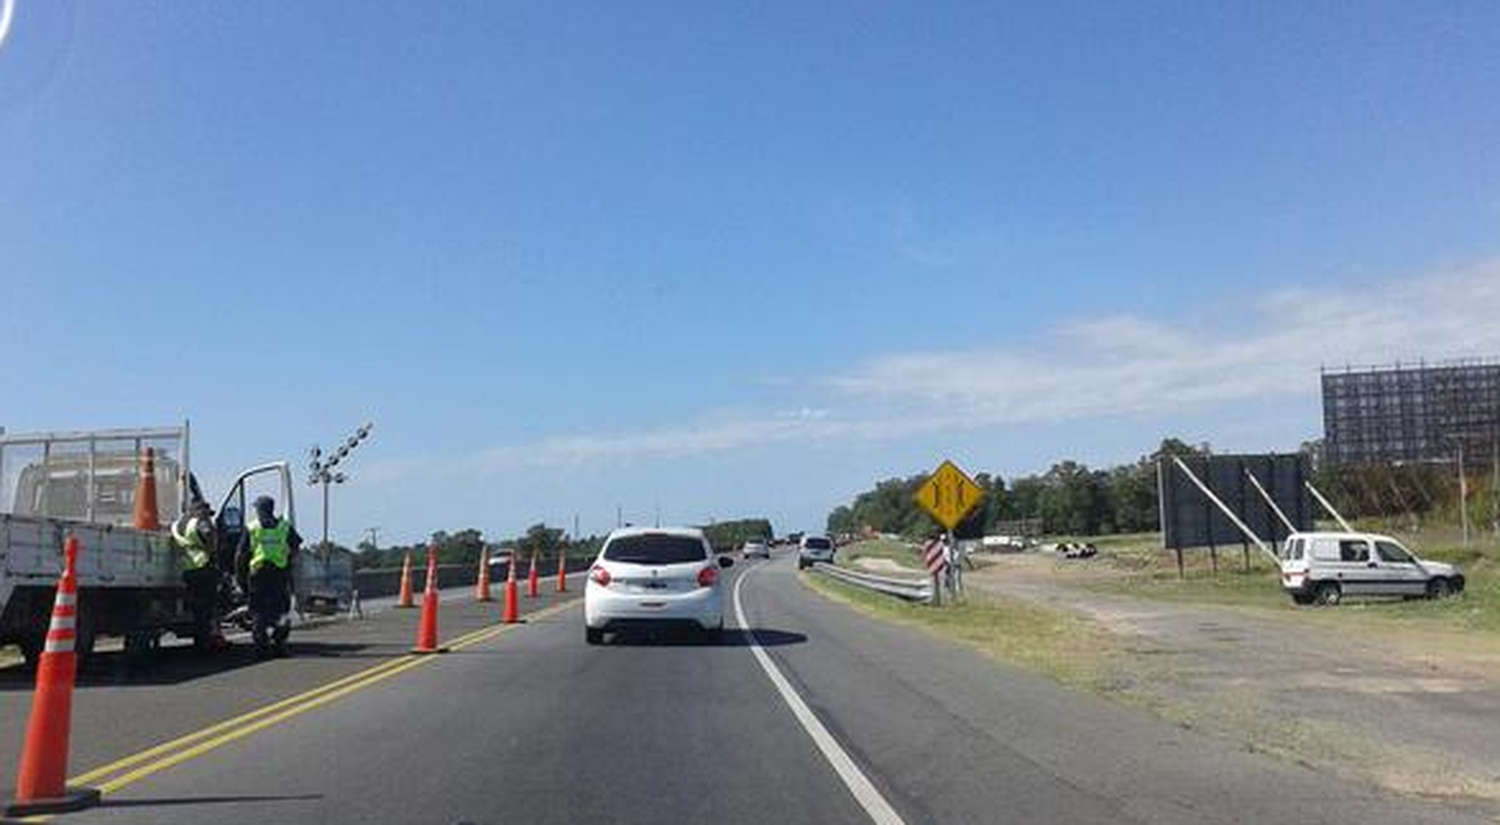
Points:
[(1059, 644), (896, 551)]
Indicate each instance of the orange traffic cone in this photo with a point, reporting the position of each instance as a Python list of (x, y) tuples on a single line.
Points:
[(512, 613), (41, 782), (533, 580), (562, 571), (427, 630), (482, 589), (146, 514), (405, 600)]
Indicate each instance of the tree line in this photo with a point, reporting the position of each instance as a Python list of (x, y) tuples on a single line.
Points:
[(1070, 498), (539, 541)]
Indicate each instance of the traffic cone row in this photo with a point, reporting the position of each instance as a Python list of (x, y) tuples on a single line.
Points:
[(405, 600), (41, 780), (427, 629)]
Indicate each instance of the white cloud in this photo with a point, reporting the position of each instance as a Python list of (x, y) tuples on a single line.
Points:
[(1085, 370), (1133, 366)]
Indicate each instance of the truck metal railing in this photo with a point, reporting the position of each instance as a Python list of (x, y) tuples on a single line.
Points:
[(82, 459), (904, 588)]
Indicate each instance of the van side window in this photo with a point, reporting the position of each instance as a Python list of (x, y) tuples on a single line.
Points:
[(1392, 553), (1353, 550)]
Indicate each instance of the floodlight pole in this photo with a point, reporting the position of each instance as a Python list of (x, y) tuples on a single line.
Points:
[(320, 470)]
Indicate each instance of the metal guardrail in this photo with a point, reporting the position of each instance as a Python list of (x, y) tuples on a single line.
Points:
[(910, 589)]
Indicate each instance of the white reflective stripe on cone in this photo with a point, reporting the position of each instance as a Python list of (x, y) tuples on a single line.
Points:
[(65, 599), (64, 622), (59, 646)]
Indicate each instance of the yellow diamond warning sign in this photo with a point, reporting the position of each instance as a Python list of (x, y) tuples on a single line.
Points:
[(949, 495)]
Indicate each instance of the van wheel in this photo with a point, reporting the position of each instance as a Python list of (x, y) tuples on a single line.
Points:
[(1439, 588), (1329, 594), (593, 635)]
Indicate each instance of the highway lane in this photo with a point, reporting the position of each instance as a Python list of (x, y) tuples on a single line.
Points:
[(119, 710), (535, 726)]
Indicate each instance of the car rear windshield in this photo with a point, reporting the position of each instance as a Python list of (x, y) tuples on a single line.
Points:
[(818, 544), (651, 549)]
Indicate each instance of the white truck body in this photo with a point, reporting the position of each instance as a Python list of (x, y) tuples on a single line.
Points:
[(130, 581)]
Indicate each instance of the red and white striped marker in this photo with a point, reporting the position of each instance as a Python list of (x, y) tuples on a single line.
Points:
[(933, 557)]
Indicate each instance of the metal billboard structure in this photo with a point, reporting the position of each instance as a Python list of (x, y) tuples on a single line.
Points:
[(1403, 414), (1267, 493)]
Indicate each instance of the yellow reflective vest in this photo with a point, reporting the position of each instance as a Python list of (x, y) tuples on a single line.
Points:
[(268, 545)]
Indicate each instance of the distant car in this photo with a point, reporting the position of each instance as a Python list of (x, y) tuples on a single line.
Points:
[(654, 577), (1323, 568), (1076, 550), (813, 549), (756, 550)]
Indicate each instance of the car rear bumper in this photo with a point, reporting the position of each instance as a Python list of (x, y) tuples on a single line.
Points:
[(604, 609)]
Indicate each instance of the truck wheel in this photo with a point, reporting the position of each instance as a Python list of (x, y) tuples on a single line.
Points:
[(1329, 594), (84, 634), (31, 650), (140, 645), (593, 635), (1438, 588)]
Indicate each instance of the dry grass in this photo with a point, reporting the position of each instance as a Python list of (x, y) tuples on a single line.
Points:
[(1056, 643)]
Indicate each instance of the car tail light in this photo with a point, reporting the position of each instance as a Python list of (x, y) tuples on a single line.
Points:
[(708, 576), (600, 576)]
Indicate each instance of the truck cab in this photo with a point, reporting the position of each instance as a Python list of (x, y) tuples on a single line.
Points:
[(1324, 567)]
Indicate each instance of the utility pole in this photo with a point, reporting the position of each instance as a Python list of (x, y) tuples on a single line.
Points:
[(1494, 483), (1463, 492), (374, 533)]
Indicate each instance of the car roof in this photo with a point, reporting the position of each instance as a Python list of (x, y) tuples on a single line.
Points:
[(1338, 534), (681, 532)]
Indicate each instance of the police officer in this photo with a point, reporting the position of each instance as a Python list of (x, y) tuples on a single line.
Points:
[(193, 533), (267, 547)]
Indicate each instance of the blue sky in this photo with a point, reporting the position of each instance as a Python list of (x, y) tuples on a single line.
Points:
[(729, 259)]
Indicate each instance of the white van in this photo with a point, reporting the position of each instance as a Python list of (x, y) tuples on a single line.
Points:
[(1322, 568)]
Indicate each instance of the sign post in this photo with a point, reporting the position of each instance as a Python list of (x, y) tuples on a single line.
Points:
[(948, 495)]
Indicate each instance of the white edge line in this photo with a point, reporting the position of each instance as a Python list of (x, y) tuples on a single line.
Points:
[(865, 792)]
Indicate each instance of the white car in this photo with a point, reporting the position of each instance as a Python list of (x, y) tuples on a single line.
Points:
[(658, 577), (1325, 567), (756, 550), (813, 549)]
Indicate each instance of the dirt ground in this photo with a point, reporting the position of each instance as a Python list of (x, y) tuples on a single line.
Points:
[(1415, 711)]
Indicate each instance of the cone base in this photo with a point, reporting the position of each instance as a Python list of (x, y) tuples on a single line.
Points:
[(423, 651), (405, 606), (485, 599), (73, 799)]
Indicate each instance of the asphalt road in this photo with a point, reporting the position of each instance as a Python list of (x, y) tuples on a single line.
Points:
[(847, 720)]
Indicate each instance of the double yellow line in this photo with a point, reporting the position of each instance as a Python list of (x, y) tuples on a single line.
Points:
[(134, 768)]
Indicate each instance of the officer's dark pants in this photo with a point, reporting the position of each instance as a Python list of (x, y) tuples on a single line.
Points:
[(270, 601), (203, 602)]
